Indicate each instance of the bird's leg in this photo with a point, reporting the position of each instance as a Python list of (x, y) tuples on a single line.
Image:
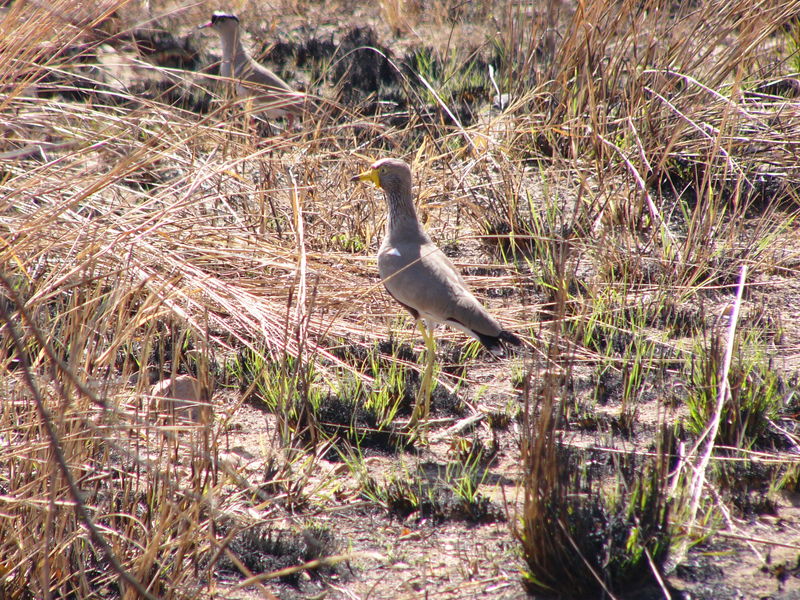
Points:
[(422, 407)]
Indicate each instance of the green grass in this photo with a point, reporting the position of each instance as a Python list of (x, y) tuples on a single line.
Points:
[(755, 398)]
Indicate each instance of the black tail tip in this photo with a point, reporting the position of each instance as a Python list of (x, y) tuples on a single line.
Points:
[(496, 344), (510, 338)]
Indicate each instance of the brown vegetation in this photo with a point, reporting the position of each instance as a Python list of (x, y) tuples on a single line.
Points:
[(616, 180)]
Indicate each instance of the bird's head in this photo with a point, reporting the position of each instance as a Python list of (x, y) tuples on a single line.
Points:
[(222, 22), (387, 173)]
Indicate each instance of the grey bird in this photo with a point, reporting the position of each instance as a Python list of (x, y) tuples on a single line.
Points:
[(422, 279), (417, 273), (273, 96)]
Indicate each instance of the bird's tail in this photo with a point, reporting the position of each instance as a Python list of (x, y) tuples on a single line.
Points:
[(497, 344)]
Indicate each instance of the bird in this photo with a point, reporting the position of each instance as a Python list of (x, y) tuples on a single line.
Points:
[(420, 277), (273, 96)]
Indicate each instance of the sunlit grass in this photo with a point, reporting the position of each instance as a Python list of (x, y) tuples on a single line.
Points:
[(605, 213)]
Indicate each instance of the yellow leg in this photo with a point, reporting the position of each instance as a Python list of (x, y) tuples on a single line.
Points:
[(422, 408)]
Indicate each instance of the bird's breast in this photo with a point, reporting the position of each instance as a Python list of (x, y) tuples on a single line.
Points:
[(389, 260)]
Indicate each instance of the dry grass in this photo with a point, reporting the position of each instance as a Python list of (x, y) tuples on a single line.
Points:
[(645, 153)]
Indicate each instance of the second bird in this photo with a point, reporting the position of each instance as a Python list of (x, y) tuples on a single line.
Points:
[(273, 95)]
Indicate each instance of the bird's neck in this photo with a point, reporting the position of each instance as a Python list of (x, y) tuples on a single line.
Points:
[(402, 216), (233, 52)]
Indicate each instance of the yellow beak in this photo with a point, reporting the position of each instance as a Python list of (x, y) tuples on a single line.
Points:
[(370, 175)]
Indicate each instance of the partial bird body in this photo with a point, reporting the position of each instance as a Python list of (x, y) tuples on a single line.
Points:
[(273, 96), (417, 273), (442, 298)]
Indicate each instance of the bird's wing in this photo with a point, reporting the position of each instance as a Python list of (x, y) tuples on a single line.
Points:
[(422, 278)]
